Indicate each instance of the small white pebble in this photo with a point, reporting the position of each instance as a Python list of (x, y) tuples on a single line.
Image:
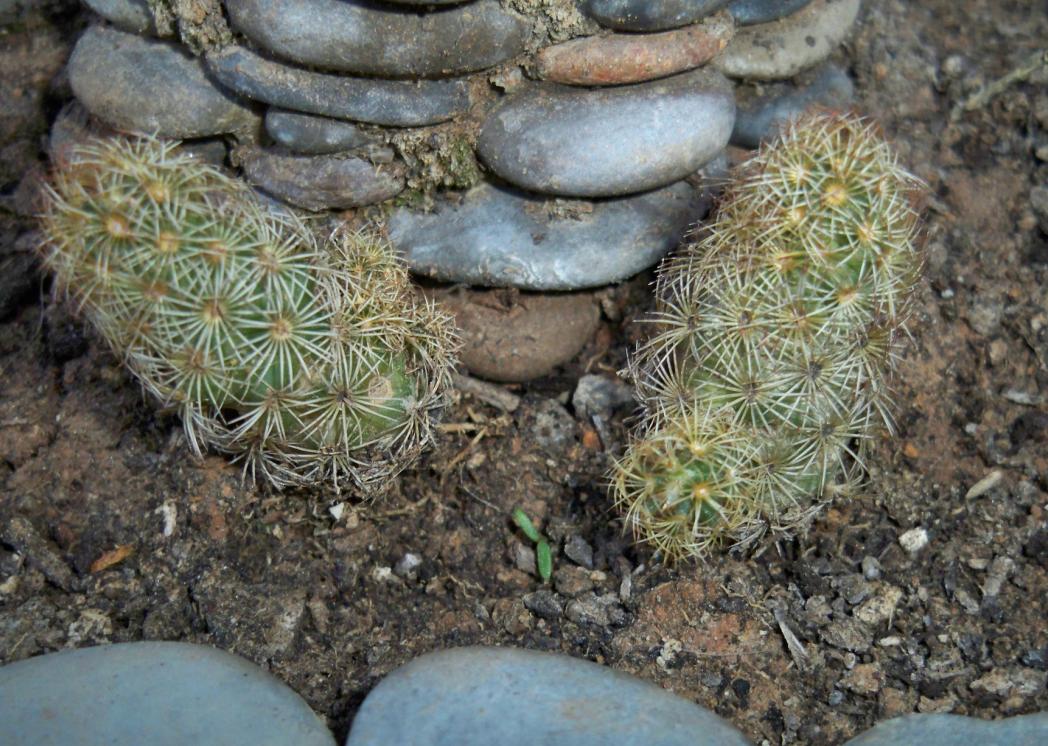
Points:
[(337, 510), (168, 511), (382, 574), (890, 642), (1022, 397), (914, 540), (985, 484), (408, 564), (953, 65)]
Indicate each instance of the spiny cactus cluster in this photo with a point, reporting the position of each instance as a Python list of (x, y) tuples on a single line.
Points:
[(774, 340), (311, 361)]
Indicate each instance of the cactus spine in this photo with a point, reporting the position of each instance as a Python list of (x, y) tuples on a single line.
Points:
[(774, 339), (310, 362)]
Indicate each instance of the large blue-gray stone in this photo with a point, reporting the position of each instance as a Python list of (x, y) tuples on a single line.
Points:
[(155, 693), (508, 697), (781, 49), (496, 236), (649, 15), (748, 12), (760, 119), (359, 36), (146, 85), (611, 141), (129, 15), (394, 103), (955, 730), (313, 135)]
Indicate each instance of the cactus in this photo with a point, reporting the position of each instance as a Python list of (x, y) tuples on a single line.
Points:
[(774, 340), (311, 362)]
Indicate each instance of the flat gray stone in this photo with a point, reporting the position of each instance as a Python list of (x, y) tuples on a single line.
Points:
[(761, 118), (749, 12), (521, 698), (955, 730), (500, 237), (781, 49), (313, 135), (394, 103), (358, 36), (612, 141), (320, 182), (156, 693), (649, 15), (129, 15), (151, 86)]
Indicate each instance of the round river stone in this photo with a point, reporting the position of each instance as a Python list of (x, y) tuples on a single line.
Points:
[(394, 103), (759, 118), (358, 36), (313, 135), (151, 86), (954, 730), (781, 49), (129, 15), (522, 697), (156, 693), (512, 337), (748, 12), (499, 237), (320, 182), (649, 15), (616, 59), (611, 141)]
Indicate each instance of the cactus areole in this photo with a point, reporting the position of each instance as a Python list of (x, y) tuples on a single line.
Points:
[(773, 345), (311, 361)]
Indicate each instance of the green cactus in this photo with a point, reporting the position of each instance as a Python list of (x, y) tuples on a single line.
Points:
[(310, 362), (774, 340)]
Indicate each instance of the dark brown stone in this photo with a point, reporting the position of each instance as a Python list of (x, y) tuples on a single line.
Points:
[(513, 337), (320, 182)]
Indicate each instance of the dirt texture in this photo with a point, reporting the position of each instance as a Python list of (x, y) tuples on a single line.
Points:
[(927, 592)]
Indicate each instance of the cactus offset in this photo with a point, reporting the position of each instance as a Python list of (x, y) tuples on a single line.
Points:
[(310, 362), (774, 342)]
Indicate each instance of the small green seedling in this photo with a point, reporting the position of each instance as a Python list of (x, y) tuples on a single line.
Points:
[(543, 554)]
